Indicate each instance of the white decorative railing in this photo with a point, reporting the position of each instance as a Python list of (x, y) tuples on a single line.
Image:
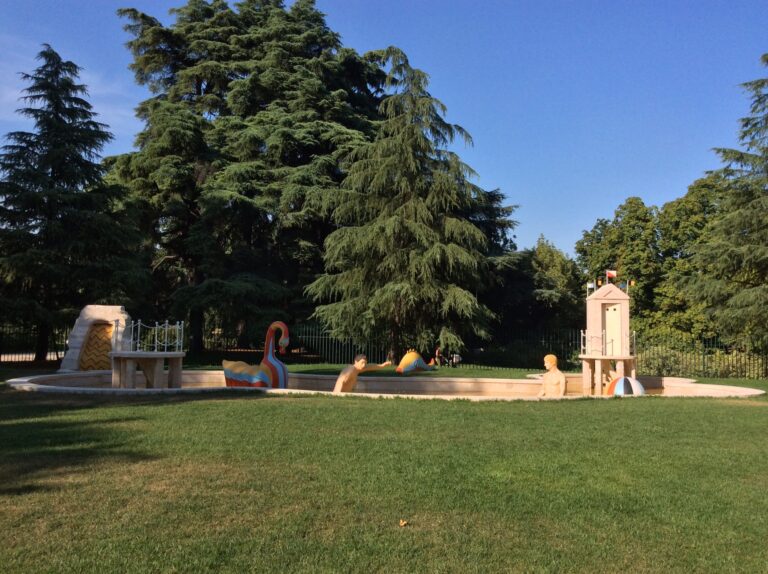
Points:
[(599, 345), (147, 338)]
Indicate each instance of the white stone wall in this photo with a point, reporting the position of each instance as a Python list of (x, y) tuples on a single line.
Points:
[(89, 315)]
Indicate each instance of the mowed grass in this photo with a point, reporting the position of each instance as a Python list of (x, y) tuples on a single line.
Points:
[(320, 484)]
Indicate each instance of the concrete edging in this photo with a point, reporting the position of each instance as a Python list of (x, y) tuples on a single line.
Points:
[(474, 389)]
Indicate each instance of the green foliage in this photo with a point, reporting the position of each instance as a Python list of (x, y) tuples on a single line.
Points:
[(672, 354), (258, 117), (65, 236), (300, 104), (682, 224), (165, 177), (189, 67), (732, 259), (406, 261), (628, 244), (535, 289), (510, 296), (253, 109), (558, 287)]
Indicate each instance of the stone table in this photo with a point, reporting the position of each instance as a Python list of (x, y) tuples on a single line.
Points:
[(124, 365)]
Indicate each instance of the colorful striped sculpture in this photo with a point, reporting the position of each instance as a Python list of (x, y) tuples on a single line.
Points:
[(625, 386), (270, 373), (412, 362)]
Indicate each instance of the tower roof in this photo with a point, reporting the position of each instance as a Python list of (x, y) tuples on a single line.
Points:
[(608, 291)]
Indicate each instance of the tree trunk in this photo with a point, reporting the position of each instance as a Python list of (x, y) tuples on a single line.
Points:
[(396, 350), (43, 337), (196, 319)]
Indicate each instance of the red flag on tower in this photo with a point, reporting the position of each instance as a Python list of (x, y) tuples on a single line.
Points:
[(610, 274)]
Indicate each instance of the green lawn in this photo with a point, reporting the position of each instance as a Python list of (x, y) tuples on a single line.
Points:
[(319, 484)]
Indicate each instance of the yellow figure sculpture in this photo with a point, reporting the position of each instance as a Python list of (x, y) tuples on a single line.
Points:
[(553, 381), (412, 362), (348, 377)]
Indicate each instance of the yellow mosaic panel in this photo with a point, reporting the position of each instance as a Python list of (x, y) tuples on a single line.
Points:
[(98, 343)]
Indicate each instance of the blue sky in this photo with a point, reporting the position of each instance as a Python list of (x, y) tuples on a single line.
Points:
[(573, 105)]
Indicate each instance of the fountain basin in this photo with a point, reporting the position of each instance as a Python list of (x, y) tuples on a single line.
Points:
[(477, 389)]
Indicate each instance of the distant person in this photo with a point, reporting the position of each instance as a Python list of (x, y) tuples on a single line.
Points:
[(439, 356), (454, 360), (553, 381), (348, 377)]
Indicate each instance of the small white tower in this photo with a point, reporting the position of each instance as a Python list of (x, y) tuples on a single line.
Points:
[(607, 339)]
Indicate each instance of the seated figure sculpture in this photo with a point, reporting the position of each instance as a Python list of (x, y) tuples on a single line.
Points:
[(553, 381), (348, 377)]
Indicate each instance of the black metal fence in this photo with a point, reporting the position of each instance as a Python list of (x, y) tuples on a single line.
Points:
[(656, 354), (315, 345), (668, 354), (527, 350), (17, 343), (309, 344)]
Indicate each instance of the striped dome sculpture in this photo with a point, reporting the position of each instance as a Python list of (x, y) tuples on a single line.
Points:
[(625, 386)]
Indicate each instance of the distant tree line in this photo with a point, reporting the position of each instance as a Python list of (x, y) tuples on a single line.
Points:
[(282, 175), (700, 262)]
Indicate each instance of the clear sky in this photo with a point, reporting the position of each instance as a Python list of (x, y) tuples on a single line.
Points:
[(574, 105)]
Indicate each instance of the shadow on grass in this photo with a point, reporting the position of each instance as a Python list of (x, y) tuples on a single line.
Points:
[(33, 453), (36, 445), (46, 435)]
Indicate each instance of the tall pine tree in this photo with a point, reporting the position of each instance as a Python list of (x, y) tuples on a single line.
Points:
[(732, 260), (187, 66), (302, 102), (406, 262), (252, 109), (63, 243)]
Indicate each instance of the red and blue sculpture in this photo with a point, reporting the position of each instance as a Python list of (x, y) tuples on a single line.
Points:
[(271, 372)]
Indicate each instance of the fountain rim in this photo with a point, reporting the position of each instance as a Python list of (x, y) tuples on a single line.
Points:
[(42, 383)]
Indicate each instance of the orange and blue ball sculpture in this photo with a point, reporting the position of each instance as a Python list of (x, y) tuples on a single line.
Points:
[(625, 386)]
